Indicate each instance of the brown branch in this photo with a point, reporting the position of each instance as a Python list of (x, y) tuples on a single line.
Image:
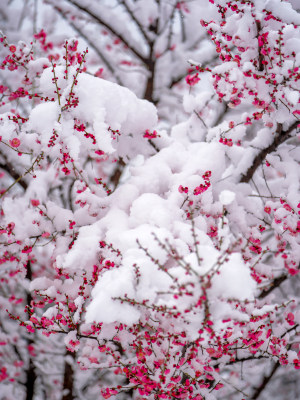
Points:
[(177, 80), (280, 137), (30, 371), (260, 55), (200, 118), (274, 284), (68, 378), (116, 176), (268, 378), (148, 95), (222, 114), (110, 28), (20, 178), (265, 381), (288, 331), (250, 358), (137, 22), (9, 168), (30, 379), (154, 146)]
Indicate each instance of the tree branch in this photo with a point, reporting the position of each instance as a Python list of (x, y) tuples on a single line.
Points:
[(265, 381), (20, 178), (110, 28), (280, 137), (133, 17), (274, 284), (90, 44), (171, 19), (183, 30), (9, 168), (116, 176), (177, 79), (260, 55), (30, 371), (148, 94), (68, 384)]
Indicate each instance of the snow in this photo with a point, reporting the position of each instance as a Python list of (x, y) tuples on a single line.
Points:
[(234, 280), (154, 198), (42, 119), (154, 241), (114, 283), (123, 110), (84, 251), (284, 11), (151, 208), (226, 197), (102, 106)]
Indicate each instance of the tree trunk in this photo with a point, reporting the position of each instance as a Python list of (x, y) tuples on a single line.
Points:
[(30, 373), (68, 378)]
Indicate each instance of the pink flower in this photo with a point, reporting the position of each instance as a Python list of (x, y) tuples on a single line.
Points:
[(30, 328), (150, 135), (213, 231), (66, 170), (287, 207), (219, 386), (290, 319), (73, 46), (182, 189), (15, 142), (34, 320), (27, 250), (99, 73), (192, 79), (35, 202), (31, 350), (248, 121), (296, 363)]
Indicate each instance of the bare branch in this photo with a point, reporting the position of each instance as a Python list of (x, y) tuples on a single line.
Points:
[(31, 376), (137, 22), (183, 31), (110, 28), (265, 381), (68, 386), (171, 28), (280, 137), (9, 168), (260, 55), (116, 176), (274, 284)]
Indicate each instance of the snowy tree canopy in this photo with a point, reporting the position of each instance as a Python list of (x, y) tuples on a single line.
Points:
[(150, 223)]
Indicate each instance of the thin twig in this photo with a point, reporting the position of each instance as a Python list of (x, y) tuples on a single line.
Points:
[(91, 44)]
